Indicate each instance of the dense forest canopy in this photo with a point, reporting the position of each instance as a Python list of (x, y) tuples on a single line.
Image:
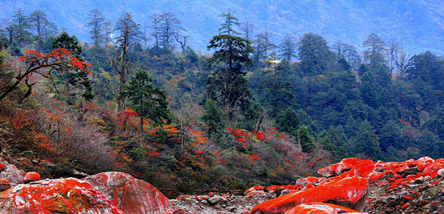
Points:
[(251, 105)]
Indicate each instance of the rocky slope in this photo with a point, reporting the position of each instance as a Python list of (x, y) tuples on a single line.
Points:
[(350, 186)]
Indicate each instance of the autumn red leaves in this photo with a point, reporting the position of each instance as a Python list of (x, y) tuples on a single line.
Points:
[(43, 64), (57, 57)]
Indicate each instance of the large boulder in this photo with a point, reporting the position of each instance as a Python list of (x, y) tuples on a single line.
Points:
[(109, 192), (131, 195), (349, 189), (14, 175), (68, 195)]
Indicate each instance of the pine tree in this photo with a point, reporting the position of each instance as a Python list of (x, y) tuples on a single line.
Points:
[(40, 22), (167, 29), (213, 117), (287, 48), (366, 142), (128, 33), (96, 24), (305, 139), (263, 48), (228, 26), (19, 29), (287, 121), (146, 99), (277, 89), (314, 54), (374, 54), (227, 84)]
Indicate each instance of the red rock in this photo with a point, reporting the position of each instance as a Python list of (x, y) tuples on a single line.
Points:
[(407, 197), (422, 163), (4, 184), (282, 187), (350, 189), (68, 195), (2, 166), (405, 205), (253, 189), (358, 166), (31, 176), (131, 195), (391, 176), (375, 176), (320, 208)]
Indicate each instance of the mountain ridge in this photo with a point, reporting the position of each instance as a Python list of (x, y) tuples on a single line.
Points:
[(418, 25)]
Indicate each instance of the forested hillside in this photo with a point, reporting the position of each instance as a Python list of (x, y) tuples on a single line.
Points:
[(250, 112)]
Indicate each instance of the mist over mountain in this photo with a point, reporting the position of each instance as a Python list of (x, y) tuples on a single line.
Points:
[(417, 24)]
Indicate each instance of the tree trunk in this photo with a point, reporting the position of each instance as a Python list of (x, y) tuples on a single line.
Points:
[(122, 67)]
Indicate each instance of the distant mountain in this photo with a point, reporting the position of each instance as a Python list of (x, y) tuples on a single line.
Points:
[(418, 24)]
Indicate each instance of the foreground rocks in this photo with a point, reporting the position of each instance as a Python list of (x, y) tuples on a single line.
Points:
[(350, 186), (129, 194), (412, 186), (68, 195), (110, 192)]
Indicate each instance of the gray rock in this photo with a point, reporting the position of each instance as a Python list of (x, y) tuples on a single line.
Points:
[(441, 172), (14, 175), (215, 199)]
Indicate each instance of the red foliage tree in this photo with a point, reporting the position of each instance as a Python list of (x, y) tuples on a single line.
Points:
[(40, 63)]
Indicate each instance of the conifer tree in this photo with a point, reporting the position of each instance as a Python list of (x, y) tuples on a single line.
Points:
[(96, 24), (128, 33), (227, 84), (146, 99)]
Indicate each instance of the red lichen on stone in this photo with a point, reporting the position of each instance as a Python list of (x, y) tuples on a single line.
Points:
[(320, 208), (31, 176), (282, 187), (350, 189), (131, 195), (254, 188), (57, 196)]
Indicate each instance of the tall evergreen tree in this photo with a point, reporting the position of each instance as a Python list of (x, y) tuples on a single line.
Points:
[(19, 28), (263, 47), (370, 90), (247, 30), (96, 24), (214, 118), (128, 34), (366, 142), (146, 99), (287, 48), (314, 54), (276, 89), (41, 24), (305, 139), (335, 141), (374, 54), (227, 84), (287, 121), (229, 25)]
